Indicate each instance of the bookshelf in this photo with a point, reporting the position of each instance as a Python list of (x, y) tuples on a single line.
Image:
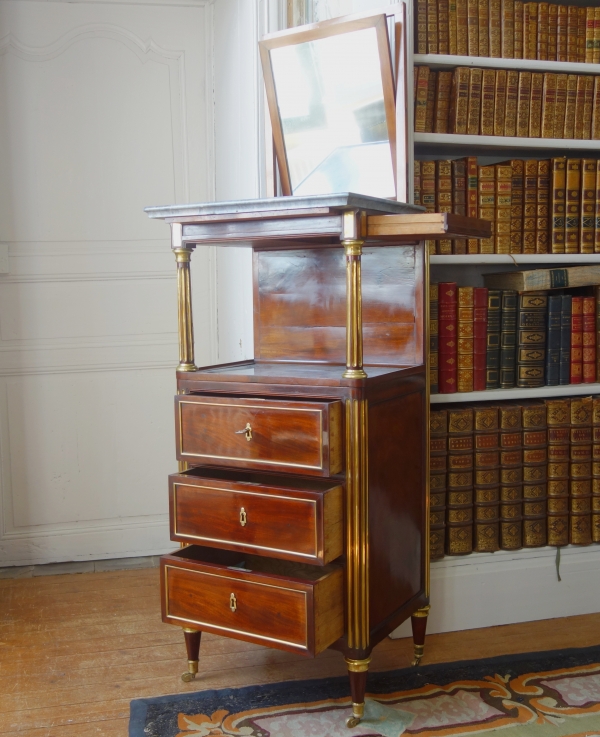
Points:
[(502, 395), (454, 144), (444, 61), (518, 259)]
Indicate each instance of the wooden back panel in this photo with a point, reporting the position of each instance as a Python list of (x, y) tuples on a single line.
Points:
[(300, 305)]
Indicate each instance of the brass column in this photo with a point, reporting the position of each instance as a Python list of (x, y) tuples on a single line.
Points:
[(354, 337), (183, 255)]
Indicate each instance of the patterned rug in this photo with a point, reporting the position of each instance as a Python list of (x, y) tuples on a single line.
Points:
[(549, 694)]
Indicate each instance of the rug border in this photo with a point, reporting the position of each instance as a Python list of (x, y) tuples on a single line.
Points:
[(139, 707)]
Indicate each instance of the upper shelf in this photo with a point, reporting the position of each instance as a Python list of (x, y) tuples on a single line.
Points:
[(494, 395), (450, 143), (442, 61), (517, 258)]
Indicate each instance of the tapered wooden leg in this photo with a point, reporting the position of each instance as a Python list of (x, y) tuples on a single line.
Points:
[(357, 671), (192, 644), (419, 625)]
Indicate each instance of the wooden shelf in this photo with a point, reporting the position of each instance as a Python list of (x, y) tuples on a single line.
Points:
[(575, 259), (442, 61), (453, 143), (496, 395)]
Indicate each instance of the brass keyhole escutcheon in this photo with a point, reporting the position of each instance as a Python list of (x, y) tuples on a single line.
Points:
[(243, 517), (247, 431), (232, 602)]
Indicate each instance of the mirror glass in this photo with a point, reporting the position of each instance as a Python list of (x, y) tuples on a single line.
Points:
[(331, 105)]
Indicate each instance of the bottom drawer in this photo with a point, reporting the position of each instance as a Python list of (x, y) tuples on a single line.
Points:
[(290, 606)]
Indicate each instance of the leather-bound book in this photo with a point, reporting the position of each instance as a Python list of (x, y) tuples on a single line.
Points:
[(508, 338), (535, 109), (421, 101), (438, 464), (473, 26), (523, 103), (443, 198), (472, 198), (579, 108), (559, 193), (596, 469), (530, 205), (512, 95), (572, 32), (433, 337), (447, 342), (580, 471), (459, 199), (587, 108), (588, 206), (542, 32), (516, 208), (487, 203), (417, 182), (572, 216), (432, 26), (511, 477), (483, 14), (462, 28), (596, 110), (431, 96), (502, 223), (500, 103), (459, 520), (542, 225), (560, 107), (465, 339), (518, 30), (459, 100), (428, 195), (589, 35), (552, 31), (577, 340), (565, 340), (597, 36), (535, 462), (597, 221), (495, 29), (581, 25), (559, 430), (452, 28), (507, 28), (548, 105), (480, 309), (561, 35), (531, 338), (589, 340), (421, 27), (553, 340), (486, 533), (443, 27), (488, 85), (597, 297), (442, 102), (569, 131), (492, 377), (530, 19), (474, 108)]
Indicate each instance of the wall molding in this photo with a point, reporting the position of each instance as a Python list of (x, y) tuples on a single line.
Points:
[(165, 3)]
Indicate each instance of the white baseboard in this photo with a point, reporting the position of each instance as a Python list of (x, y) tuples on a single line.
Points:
[(484, 590)]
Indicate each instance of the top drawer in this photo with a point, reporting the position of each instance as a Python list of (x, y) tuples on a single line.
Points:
[(297, 437)]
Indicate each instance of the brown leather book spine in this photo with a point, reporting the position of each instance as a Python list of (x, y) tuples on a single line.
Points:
[(487, 203), (596, 469), (511, 477), (459, 520), (438, 455), (535, 110), (523, 104), (483, 13), (421, 27), (516, 208), (530, 206), (417, 182), (465, 339), (579, 108), (421, 101), (548, 105), (572, 216), (452, 27), (588, 206), (589, 35), (535, 462), (502, 225), (443, 26), (597, 322), (507, 10), (597, 221), (512, 94), (500, 102), (572, 32), (443, 198), (428, 194), (542, 32), (447, 343), (472, 199), (488, 85), (542, 225), (577, 341), (560, 105), (569, 131), (597, 35), (596, 110), (581, 26), (589, 340), (561, 43), (486, 535), (580, 471), (518, 30), (530, 23), (462, 28), (559, 424), (459, 101), (459, 199), (432, 27), (433, 338), (474, 108), (552, 31), (587, 108), (559, 183), (473, 27), (480, 317), (441, 110), (430, 109), (495, 26)]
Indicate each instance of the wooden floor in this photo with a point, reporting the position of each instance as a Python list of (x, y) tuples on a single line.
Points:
[(74, 649)]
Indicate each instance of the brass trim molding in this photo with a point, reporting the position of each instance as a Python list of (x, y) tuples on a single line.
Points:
[(358, 666)]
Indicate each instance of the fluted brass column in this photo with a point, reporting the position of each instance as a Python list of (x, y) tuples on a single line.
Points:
[(354, 337), (183, 254)]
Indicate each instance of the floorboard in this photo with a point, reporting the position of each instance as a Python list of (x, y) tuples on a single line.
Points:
[(74, 649)]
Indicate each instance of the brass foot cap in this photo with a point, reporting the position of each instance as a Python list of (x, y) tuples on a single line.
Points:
[(187, 677), (352, 722), (417, 660)]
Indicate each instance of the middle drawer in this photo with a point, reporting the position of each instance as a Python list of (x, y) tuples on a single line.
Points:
[(284, 517)]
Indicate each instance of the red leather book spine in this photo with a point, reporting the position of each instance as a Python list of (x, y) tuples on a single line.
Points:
[(577, 341), (448, 343), (480, 305), (589, 340)]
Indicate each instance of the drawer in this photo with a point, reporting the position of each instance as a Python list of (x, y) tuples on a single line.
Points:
[(290, 606), (270, 435), (284, 517)]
